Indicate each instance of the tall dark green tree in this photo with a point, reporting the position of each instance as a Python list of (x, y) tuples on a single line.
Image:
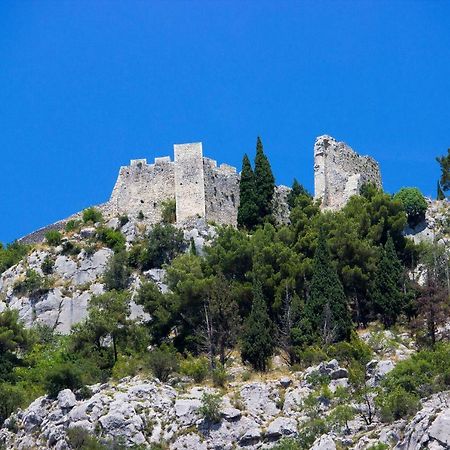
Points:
[(327, 306), (264, 182), (444, 181), (257, 338), (387, 294), (248, 208), (296, 190)]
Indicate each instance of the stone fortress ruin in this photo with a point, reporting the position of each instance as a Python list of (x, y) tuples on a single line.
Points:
[(199, 187), (202, 189), (339, 172)]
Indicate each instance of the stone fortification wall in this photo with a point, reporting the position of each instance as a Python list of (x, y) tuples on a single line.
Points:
[(189, 181), (339, 172), (143, 187), (221, 192)]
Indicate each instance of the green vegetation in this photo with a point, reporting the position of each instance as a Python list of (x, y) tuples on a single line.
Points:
[(12, 254), (33, 284), (248, 208), (444, 181), (92, 215), (210, 408), (257, 337), (414, 203), (53, 237), (113, 239), (169, 211)]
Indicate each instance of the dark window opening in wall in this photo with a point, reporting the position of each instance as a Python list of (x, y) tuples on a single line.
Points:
[(142, 201), (154, 204), (181, 184), (215, 192), (232, 199)]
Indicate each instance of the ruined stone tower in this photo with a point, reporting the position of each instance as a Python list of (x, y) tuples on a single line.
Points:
[(339, 172)]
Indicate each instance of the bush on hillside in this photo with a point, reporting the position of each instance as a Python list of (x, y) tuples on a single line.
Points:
[(53, 238), (92, 215), (414, 203)]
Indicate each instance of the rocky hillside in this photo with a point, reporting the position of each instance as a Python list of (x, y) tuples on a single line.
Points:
[(163, 352), (253, 414)]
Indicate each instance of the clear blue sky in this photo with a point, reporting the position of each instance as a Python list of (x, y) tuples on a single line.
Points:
[(87, 85)]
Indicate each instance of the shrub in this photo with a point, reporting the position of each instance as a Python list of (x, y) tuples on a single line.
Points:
[(80, 439), (72, 225), (196, 368), (12, 254), (414, 203), (33, 284), (53, 237), (287, 444), (11, 398), (168, 211), (210, 407), (163, 361), (64, 376), (397, 404), (92, 215), (69, 248), (117, 273), (113, 239), (123, 220), (219, 376), (47, 265)]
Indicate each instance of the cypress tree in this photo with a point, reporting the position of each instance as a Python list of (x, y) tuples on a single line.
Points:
[(248, 209), (264, 182), (326, 306), (257, 337), (387, 292), (296, 190), (440, 192)]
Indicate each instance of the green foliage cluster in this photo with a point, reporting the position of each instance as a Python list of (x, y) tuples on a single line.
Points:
[(210, 407), (53, 237), (256, 190), (113, 239), (12, 254), (161, 245), (33, 284), (414, 203), (425, 373), (92, 215), (168, 211)]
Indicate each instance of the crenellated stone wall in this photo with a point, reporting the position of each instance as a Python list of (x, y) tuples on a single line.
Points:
[(339, 172), (142, 187)]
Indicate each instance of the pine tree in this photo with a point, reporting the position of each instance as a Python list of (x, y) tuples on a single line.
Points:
[(264, 182), (248, 209), (387, 293), (257, 337), (444, 182), (326, 306)]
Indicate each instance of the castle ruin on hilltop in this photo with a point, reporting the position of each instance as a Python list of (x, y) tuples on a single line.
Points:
[(202, 189), (199, 187), (339, 172)]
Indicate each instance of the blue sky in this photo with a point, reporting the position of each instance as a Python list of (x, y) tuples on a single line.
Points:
[(87, 85)]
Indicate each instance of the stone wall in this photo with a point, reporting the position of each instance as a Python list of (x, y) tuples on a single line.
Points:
[(339, 172), (143, 187), (221, 192)]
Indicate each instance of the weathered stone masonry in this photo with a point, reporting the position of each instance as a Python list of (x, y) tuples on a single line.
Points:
[(200, 188), (203, 189), (339, 172)]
